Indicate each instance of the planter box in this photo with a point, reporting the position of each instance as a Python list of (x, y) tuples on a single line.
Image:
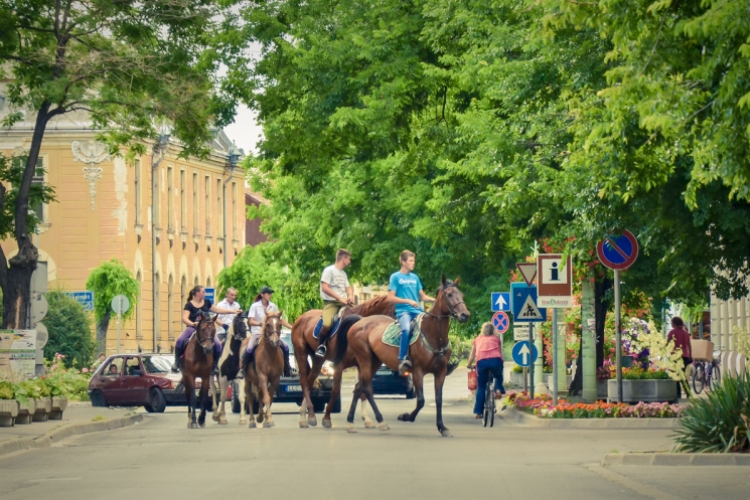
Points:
[(26, 411), (43, 408), (58, 407), (516, 379), (601, 389), (648, 391), (8, 412)]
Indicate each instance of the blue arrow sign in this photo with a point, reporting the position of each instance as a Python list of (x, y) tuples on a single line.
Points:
[(524, 354), (500, 301), (523, 304)]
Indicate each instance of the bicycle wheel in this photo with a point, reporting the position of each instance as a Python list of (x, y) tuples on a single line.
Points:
[(715, 378), (699, 377), (486, 415), (492, 406)]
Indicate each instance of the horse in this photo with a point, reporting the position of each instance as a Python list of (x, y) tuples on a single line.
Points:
[(429, 354), (229, 367), (197, 362), (262, 376), (305, 344)]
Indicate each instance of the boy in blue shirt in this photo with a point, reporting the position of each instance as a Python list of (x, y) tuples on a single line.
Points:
[(404, 290)]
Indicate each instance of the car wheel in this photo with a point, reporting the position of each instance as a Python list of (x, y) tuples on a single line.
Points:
[(149, 408), (98, 399), (156, 400), (411, 393)]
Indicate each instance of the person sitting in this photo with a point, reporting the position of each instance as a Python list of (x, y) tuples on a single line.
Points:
[(113, 369), (255, 318), (336, 293), (196, 306), (224, 320), (488, 352)]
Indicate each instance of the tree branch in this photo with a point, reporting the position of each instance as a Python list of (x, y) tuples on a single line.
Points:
[(3, 259), (656, 43)]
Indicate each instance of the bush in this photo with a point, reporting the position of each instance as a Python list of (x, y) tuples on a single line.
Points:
[(719, 423), (6, 390), (69, 327)]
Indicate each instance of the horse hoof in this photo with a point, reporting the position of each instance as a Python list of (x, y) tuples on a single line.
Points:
[(405, 417), (268, 424), (327, 423), (243, 421), (202, 425), (369, 424), (383, 427), (192, 425), (303, 425), (216, 418), (259, 419), (446, 433), (351, 429), (223, 421), (312, 421), (251, 425)]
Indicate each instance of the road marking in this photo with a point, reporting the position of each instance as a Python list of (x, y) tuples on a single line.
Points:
[(614, 477)]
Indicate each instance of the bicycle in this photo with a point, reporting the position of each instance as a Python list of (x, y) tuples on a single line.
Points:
[(489, 403), (706, 375)]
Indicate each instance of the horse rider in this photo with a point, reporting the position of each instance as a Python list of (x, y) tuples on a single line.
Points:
[(255, 317), (224, 320), (197, 305), (336, 293), (404, 290)]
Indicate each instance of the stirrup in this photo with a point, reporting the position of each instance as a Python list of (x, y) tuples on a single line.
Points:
[(321, 351), (404, 367)]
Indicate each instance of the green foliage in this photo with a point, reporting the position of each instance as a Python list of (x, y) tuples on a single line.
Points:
[(108, 280), (69, 327), (6, 390), (68, 382), (11, 174), (720, 422), (636, 373)]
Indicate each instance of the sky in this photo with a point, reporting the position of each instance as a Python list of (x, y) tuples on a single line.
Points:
[(245, 131)]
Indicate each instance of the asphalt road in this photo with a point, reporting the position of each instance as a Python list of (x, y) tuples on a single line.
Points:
[(161, 458)]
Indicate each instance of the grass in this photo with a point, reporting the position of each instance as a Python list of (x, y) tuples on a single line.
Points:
[(98, 418)]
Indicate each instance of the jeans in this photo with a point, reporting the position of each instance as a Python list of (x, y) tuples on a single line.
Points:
[(484, 368), (183, 338), (404, 320)]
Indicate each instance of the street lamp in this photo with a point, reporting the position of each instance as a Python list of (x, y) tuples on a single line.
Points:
[(233, 155), (160, 148)]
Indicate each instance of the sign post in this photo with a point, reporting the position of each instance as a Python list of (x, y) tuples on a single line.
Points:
[(523, 305), (120, 304), (618, 253)]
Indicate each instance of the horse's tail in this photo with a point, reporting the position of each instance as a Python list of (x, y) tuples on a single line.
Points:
[(342, 342)]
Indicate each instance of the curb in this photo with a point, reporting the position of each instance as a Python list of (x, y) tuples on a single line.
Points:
[(513, 415), (56, 435), (677, 459)]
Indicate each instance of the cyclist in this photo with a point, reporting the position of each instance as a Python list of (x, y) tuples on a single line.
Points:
[(680, 338), (488, 351)]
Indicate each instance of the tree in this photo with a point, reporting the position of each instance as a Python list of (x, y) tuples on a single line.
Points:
[(130, 65), (108, 280), (69, 327)]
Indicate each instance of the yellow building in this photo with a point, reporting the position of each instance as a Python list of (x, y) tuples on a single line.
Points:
[(104, 211)]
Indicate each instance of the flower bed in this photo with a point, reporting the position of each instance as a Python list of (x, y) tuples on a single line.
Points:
[(542, 406)]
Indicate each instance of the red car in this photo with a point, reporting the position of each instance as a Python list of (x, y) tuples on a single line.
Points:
[(143, 379)]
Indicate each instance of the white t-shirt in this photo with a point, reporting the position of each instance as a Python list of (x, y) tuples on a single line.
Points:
[(226, 319), (336, 279), (258, 313)]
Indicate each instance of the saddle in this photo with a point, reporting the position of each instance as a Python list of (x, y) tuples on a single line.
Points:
[(392, 334), (334, 328)]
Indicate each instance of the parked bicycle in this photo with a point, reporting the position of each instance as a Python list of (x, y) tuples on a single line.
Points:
[(707, 375)]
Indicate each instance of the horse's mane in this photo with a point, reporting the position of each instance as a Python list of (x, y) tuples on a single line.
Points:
[(369, 305)]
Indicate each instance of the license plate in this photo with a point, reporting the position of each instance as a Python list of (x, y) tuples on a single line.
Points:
[(294, 388)]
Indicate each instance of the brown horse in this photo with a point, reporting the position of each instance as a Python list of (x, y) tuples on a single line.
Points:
[(197, 362), (305, 345), (262, 376), (429, 354)]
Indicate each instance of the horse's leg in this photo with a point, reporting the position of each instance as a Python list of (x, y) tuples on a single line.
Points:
[(353, 408), (203, 402), (215, 397), (190, 395), (418, 379), (335, 394), (439, 380), (304, 369), (369, 424), (249, 393), (382, 425), (223, 386), (269, 397), (243, 399), (262, 397), (312, 378)]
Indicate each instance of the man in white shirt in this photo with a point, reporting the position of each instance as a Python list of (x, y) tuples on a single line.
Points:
[(336, 293), (255, 317), (225, 320)]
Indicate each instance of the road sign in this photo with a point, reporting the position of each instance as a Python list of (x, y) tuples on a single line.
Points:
[(525, 354), (39, 308), (520, 331), (42, 335), (523, 304), (528, 271), (501, 322), (555, 279), (210, 294), (618, 252), (120, 304), (500, 301), (84, 297)]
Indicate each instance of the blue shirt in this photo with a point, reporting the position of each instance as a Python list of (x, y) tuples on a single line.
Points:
[(407, 286)]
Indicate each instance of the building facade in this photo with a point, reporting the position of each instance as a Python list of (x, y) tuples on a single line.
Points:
[(175, 223)]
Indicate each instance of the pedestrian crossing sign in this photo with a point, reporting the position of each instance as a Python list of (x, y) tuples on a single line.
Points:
[(523, 304)]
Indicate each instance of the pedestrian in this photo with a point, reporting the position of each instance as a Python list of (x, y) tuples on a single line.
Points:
[(229, 302), (99, 361), (488, 352), (680, 338)]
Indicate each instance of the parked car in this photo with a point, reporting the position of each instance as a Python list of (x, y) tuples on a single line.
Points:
[(137, 379), (387, 381), (290, 389)]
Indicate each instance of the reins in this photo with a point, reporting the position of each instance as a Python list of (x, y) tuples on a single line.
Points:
[(451, 314)]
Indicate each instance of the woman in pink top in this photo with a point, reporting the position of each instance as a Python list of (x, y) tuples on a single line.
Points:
[(488, 352)]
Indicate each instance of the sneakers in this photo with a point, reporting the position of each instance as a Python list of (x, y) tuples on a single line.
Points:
[(176, 367), (404, 368), (321, 351)]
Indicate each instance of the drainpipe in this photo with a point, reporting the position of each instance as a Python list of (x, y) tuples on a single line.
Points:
[(160, 147), (234, 157)]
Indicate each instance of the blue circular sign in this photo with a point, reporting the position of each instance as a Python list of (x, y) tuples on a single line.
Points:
[(501, 322), (618, 252), (524, 354)]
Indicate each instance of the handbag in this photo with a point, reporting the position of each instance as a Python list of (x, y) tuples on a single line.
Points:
[(473, 382)]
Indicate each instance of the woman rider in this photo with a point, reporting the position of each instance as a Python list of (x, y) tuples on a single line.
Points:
[(255, 317), (196, 305)]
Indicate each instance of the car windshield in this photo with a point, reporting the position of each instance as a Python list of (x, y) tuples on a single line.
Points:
[(156, 364)]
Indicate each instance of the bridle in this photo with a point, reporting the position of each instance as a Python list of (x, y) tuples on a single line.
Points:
[(451, 311), (236, 334), (267, 333), (198, 331)]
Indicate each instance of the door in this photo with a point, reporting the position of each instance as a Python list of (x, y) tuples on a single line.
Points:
[(135, 382), (110, 380)]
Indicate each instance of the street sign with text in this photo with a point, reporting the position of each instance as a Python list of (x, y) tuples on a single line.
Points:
[(520, 331), (555, 280)]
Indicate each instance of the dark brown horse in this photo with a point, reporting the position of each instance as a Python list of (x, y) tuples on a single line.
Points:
[(263, 375), (197, 362), (305, 345), (429, 354)]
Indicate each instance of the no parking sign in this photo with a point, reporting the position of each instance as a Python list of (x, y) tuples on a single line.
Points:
[(501, 322)]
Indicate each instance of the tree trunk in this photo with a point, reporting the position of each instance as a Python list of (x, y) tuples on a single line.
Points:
[(17, 288), (101, 331), (601, 305)]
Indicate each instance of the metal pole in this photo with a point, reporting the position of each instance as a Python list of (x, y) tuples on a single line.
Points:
[(119, 323), (525, 379), (154, 223), (618, 335), (531, 357), (555, 359)]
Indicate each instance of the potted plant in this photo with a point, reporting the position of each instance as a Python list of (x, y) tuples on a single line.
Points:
[(516, 375), (42, 400), (8, 405), (650, 386), (25, 396), (56, 381)]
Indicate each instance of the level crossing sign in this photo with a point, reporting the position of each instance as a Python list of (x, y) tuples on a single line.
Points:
[(500, 301), (501, 322), (524, 354), (523, 304)]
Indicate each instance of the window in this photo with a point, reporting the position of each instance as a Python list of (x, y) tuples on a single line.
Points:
[(138, 193), (170, 200), (133, 367), (219, 209), (234, 211), (196, 208), (207, 206), (183, 290), (157, 199), (113, 368), (2, 102), (139, 309), (157, 307), (170, 310), (183, 203)]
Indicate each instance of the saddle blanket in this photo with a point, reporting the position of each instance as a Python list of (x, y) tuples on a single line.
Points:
[(334, 328), (392, 334)]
